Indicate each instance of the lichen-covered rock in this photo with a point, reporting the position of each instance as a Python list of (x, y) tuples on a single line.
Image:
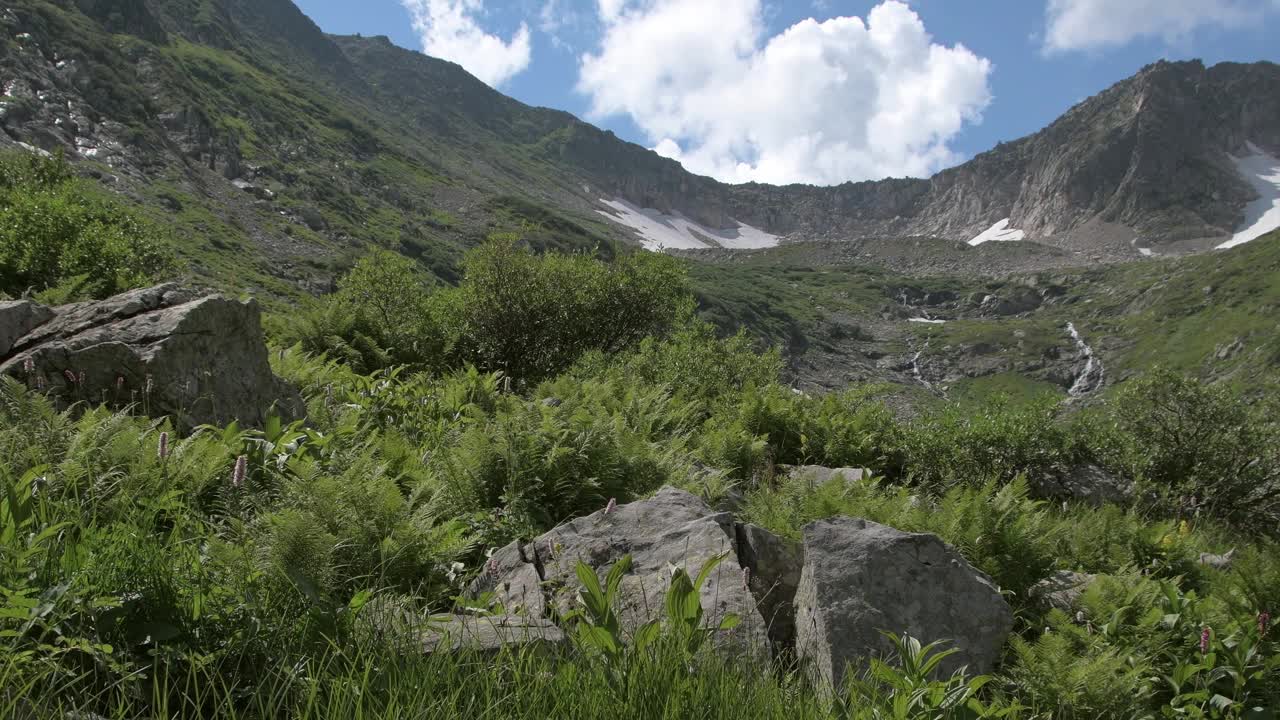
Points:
[(165, 350), (818, 475), (861, 578), (673, 528)]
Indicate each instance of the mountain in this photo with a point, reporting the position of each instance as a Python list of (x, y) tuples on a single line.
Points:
[(278, 154), (254, 131)]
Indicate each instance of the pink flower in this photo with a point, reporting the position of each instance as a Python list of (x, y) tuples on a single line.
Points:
[(611, 506), (28, 366), (491, 567), (1264, 622), (70, 376), (1204, 641), (242, 467), (163, 450), (119, 383)]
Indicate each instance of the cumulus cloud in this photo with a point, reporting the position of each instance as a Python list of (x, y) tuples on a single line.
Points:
[(449, 29), (1093, 24), (820, 102)]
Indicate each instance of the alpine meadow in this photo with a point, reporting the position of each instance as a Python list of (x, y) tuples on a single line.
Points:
[(335, 383)]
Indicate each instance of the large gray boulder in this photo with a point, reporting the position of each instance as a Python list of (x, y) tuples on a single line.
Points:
[(170, 352), (819, 475), (1062, 590), (17, 318), (861, 577), (673, 528)]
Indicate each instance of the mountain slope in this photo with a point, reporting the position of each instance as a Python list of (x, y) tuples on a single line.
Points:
[(251, 128)]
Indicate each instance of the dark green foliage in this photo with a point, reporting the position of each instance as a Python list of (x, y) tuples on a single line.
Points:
[(1200, 450), (532, 316), (60, 232)]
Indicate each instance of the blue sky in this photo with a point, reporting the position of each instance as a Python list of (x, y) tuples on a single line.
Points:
[(784, 91)]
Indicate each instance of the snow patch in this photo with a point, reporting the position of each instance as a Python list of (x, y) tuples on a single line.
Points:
[(1145, 252), (659, 231), (1262, 215), (927, 320), (1000, 232)]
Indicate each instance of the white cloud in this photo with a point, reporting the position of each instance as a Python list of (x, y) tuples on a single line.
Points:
[(449, 30), (821, 102), (1092, 24)]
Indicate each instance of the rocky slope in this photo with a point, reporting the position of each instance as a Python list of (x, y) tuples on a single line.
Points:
[(256, 133)]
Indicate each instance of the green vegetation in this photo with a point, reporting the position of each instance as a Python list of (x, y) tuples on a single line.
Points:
[(143, 575), (65, 239)]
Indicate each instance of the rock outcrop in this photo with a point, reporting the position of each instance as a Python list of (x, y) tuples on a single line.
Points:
[(165, 350), (823, 601), (673, 528), (861, 578)]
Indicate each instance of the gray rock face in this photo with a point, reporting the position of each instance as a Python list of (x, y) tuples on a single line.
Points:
[(537, 579), (17, 318), (861, 577), (489, 634), (775, 564), (196, 359), (1062, 590)]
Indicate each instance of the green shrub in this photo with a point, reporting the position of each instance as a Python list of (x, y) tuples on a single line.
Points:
[(60, 235)]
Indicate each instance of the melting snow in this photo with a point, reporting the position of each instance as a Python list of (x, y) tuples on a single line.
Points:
[(926, 320), (1262, 215), (1145, 252), (660, 231), (1000, 232)]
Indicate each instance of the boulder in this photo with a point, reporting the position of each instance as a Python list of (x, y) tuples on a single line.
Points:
[(673, 528), (861, 578), (775, 564), (818, 475), (17, 318), (1088, 484), (1062, 590), (170, 352)]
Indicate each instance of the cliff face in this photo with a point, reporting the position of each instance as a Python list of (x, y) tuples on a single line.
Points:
[(1149, 154)]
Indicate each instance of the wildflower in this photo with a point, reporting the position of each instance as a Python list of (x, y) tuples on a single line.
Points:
[(1183, 528), (28, 366), (163, 450), (81, 378), (149, 385), (611, 506), (39, 382), (1204, 641), (551, 549), (119, 383), (70, 376), (1264, 621), (491, 567), (242, 466), (746, 578)]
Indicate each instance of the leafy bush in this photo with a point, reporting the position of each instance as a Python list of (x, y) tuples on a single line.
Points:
[(1199, 449), (60, 235)]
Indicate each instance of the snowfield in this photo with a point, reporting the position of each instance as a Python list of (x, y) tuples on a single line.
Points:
[(1262, 215), (1000, 232), (659, 231)]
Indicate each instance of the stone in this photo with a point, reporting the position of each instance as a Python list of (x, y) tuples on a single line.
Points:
[(392, 620), (488, 634), (1218, 562), (672, 528), (19, 317), (1061, 590), (163, 350), (861, 578), (818, 475), (775, 564), (1089, 484)]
